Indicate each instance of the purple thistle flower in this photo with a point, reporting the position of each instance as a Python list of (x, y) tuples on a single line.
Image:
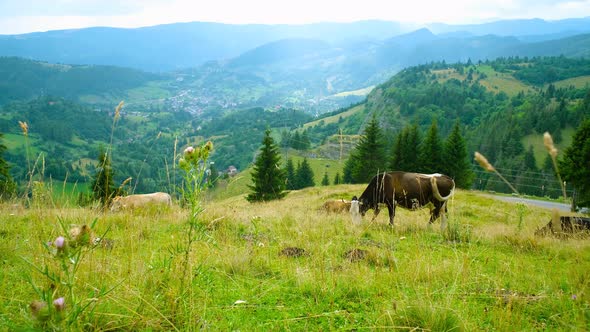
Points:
[(59, 304), (574, 297), (59, 242)]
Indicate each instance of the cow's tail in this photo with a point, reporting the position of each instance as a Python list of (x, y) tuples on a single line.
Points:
[(435, 191)]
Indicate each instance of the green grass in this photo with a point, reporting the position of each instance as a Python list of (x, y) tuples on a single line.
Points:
[(359, 92), (495, 81), (336, 118), (410, 278), (578, 82)]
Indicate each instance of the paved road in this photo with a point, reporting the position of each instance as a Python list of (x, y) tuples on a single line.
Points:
[(543, 204)]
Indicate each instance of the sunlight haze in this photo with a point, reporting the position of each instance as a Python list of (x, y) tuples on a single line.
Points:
[(26, 16)]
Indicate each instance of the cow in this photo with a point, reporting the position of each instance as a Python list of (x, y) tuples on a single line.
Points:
[(567, 225), (336, 206), (140, 200), (411, 191)]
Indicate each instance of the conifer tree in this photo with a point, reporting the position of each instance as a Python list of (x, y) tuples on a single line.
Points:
[(368, 157), (325, 179), (7, 185), (456, 162), (290, 174), (304, 175), (575, 165), (103, 188), (406, 150), (337, 178), (268, 178), (431, 156)]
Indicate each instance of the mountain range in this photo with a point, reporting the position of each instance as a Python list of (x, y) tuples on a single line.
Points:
[(209, 66)]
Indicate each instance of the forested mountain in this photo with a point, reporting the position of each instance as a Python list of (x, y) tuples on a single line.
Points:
[(22, 79), (523, 28), (502, 106), (312, 74), (174, 46)]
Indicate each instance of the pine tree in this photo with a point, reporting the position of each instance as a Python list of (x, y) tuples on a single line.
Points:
[(325, 179), (575, 165), (456, 163), (405, 150), (431, 156), (337, 178), (290, 174), (268, 178), (103, 188), (7, 185), (304, 175), (368, 157)]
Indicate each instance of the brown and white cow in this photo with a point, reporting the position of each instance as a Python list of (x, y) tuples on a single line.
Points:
[(140, 200), (409, 190)]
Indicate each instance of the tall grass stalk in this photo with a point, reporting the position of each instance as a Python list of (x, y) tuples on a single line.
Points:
[(485, 164), (552, 150)]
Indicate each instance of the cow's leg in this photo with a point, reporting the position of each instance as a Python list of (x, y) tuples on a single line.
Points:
[(375, 213)]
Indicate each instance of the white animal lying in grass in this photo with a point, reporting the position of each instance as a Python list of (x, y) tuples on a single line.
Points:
[(140, 200)]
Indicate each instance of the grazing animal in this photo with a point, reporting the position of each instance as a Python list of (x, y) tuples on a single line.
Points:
[(355, 211), (140, 200), (568, 225), (411, 191), (336, 206)]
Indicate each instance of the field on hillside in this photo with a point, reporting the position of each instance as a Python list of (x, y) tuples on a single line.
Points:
[(286, 265), (494, 81)]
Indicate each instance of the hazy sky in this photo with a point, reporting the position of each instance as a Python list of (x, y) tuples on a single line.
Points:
[(21, 16)]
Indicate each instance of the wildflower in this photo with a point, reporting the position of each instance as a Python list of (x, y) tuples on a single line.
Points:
[(59, 304), (39, 310), (574, 297), (60, 242), (189, 150)]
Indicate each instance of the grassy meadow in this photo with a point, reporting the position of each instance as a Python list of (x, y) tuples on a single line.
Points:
[(287, 265)]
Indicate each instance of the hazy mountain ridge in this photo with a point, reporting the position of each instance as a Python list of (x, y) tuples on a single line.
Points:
[(181, 45)]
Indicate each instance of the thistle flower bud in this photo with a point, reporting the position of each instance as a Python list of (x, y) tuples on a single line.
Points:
[(183, 164), (39, 310), (59, 304), (189, 150), (483, 162)]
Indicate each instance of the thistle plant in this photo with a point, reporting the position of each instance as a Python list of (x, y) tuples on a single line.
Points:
[(59, 305), (194, 165)]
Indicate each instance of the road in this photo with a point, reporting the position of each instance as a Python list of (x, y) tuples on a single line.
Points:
[(540, 203)]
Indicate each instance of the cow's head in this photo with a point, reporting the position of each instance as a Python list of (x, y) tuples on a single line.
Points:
[(116, 203), (363, 205)]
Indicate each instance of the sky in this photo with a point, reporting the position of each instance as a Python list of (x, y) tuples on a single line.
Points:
[(24, 16)]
